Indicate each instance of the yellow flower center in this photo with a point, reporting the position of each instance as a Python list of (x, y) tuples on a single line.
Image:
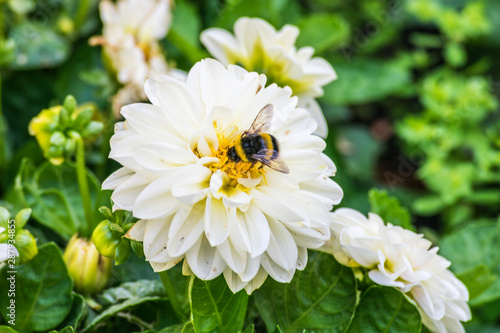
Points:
[(234, 170)]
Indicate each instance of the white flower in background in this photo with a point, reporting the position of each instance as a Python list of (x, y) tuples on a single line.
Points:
[(245, 220), (403, 259), (131, 31), (257, 46)]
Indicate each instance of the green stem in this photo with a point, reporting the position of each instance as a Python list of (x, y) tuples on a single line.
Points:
[(169, 287), (81, 14), (81, 173)]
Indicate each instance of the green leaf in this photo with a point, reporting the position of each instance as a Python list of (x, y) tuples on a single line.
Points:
[(127, 296), (7, 329), (49, 186), (38, 46), (428, 205), (173, 329), (21, 7), (322, 297), (131, 290), (188, 328), (474, 249), (478, 280), (77, 312), (455, 54), (214, 307), (7, 51), (136, 269), (359, 150), (384, 309), (5, 145), (364, 80), (43, 291), (68, 329), (491, 294), (276, 12), (389, 208), (185, 31), (477, 243), (83, 76), (249, 329), (334, 31)]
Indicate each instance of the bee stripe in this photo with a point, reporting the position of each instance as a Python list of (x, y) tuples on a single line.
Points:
[(240, 151), (268, 143)]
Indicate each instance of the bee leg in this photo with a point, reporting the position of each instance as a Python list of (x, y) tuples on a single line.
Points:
[(251, 165)]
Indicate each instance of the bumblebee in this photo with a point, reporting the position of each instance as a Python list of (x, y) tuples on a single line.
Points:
[(255, 145)]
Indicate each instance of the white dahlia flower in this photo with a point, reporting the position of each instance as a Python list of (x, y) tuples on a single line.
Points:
[(131, 31), (403, 259), (257, 46), (199, 202)]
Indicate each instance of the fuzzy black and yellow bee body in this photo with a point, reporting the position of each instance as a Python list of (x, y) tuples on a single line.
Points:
[(255, 145)]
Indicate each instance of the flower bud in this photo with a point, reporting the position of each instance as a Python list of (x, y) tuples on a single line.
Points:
[(70, 104), (4, 217), (89, 269), (22, 217), (26, 246), (57, 128), (122, 252), (106, 240)]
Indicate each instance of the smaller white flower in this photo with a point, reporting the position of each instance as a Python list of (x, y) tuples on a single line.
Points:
[(131, 31), (403, 259), (257, 46)]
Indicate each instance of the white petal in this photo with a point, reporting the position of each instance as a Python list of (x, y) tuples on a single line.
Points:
[(155, 236), (232, 196), (174, 98), (125, 195), (325, 190), (214, 84), (311, 105), (149, 120), (217, 223), (233, 280), (218, 42), (239, 232), (257, 281), (236, 260), (251, 269), (279, 205), (186, 229), (433, 307), (192, 184), (7, 251), (384, 280), (116, 178), (159, 156), (302, 258), (258, 230), (282, 248), (276, 271), (204, 260), (137, 230), (156, 200)]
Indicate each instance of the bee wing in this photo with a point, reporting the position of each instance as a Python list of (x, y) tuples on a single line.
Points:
[(262, 122), (276, 163)]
